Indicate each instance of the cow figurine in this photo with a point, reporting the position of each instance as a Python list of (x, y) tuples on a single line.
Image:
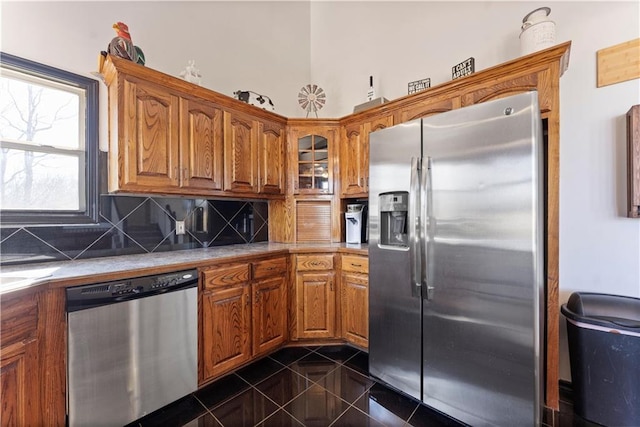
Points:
[(255, 99)]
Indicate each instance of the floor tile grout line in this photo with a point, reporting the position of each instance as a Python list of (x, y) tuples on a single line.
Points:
[(406, 422), (208, 410)]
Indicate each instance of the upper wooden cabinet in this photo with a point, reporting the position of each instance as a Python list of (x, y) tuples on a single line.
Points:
[(201, 144), (147, 148), (169, 136), (271, 158), (240, 150), (311, 155), (354, 155)]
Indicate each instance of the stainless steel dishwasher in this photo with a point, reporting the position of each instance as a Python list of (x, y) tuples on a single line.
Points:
[(132, 347)]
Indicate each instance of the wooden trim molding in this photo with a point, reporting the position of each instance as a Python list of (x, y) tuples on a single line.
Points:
[(633, 162)]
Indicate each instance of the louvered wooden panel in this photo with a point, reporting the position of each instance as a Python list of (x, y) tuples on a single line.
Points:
[(313, 221)]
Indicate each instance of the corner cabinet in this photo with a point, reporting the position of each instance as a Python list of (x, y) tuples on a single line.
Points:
[(311, 155)]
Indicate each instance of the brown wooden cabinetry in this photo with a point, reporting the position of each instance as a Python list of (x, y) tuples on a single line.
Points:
[(201, 145), (32, 358), (271, 159), (168, 136), (20, 379), (311, 154), (354, 301), (270, 304), (226, 319), (148, 147), (354, 155), (242, 313), (315, 296), (240, 150)]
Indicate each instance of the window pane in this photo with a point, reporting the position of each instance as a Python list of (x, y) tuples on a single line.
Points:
[(44, 114), (39, 181)]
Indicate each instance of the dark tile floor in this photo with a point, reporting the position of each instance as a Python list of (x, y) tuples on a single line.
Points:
[(310, 386)]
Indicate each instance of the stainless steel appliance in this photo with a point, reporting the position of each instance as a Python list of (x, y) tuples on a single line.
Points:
[(132, 347), (456, 260)]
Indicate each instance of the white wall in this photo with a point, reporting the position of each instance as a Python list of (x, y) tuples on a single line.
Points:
[(400, 42), (275, 48), (236, 45)]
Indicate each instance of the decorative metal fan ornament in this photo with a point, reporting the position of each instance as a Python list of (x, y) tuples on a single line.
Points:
[(311, 98)]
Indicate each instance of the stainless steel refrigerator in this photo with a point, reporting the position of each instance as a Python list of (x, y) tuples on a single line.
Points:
[(456, 255)]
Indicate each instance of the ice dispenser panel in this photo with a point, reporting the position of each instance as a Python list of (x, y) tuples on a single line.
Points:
[(393, 218)]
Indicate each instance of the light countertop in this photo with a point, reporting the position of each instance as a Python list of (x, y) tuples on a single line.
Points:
[(68, 273)]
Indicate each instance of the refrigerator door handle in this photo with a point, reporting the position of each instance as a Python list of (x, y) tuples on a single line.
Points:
[(414, 227), (426, 233)]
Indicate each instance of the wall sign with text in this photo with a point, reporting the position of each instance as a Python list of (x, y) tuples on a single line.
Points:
[(419, 85), (464, 68)]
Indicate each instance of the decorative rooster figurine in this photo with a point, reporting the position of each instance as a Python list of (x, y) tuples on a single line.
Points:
[(122, 46)]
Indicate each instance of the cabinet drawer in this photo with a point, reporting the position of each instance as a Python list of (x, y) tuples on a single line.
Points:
[(314, 262), (356, 264), (225, 275), (269, 267), (19, 319)]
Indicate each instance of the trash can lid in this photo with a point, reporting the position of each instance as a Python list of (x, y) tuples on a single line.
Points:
[(612, 311)]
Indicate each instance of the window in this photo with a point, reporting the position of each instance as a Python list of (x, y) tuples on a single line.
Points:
[(48, 144)]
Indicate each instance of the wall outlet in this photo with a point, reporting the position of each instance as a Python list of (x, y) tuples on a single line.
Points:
[(180, 229)]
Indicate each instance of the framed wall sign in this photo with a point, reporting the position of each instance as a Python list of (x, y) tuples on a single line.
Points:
[(418, 85), (464, 68)]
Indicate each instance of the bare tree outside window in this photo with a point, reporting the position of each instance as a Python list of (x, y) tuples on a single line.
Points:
[(43, 142)]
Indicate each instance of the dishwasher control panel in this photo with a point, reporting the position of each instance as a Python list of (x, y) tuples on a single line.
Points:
[(88, 296)]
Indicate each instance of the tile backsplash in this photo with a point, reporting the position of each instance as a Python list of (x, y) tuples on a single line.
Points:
[(134, 225)]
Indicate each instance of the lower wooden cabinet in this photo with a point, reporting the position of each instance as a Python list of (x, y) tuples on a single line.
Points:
[(269, 314), (32, 368), (315, 296), (354, 301), (19, 382), (242, 313), (226, 329)]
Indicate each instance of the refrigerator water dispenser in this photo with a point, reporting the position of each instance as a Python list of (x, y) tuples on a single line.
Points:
[(393, 218)]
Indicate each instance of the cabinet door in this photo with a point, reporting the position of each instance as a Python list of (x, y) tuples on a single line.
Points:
[(226, 323), (355, 308), (149, 144), (271, 164), (20, 384), (316, 305), (352, 161), (311, 159), (269, 314), (240, 153), (201, 145), (373, 126), (354, 155)]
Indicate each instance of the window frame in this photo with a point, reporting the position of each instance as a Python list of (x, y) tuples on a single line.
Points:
[(88, 215)]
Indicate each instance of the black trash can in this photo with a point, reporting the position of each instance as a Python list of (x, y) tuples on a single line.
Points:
[(604, 350)]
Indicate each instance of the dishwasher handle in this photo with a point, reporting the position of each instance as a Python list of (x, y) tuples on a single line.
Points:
[(96, 295)]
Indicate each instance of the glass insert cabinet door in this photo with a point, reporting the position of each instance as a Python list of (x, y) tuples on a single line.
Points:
[(314, 165)]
